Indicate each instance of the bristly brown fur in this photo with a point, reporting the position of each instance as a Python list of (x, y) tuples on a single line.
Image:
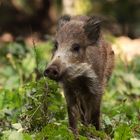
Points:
[(92, 28), (83, 72)]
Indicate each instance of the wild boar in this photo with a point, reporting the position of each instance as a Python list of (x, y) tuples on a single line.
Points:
[(82, 62)]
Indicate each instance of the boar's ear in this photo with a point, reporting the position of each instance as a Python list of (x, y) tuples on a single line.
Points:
[(62, 21), (92, 28)]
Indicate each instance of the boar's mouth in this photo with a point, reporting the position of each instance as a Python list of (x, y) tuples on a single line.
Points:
[(75, 72), (57, 79)]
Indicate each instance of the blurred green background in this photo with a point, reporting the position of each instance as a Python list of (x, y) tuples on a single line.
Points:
[(32, 107)]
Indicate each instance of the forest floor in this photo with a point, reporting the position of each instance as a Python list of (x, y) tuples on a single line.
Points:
[(31, 106)]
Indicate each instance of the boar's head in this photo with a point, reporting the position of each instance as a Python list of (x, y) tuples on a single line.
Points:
[(73, 37)]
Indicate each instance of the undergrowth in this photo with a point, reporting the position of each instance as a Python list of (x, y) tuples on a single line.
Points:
[(33, 107)]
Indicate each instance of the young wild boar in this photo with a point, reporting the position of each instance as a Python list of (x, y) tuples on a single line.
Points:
[(82, 61)]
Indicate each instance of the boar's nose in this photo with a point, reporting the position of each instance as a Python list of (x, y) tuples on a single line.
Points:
[(52, 72)]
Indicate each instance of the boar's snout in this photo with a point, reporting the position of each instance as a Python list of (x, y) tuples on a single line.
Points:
[(52, 72)]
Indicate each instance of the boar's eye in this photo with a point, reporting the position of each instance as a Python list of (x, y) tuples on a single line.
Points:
[(55, 45), (76, 47)]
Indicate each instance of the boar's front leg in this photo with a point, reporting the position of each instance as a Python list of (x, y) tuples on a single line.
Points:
[(72, 109), (96, 112), (72, 119), (96, 119)]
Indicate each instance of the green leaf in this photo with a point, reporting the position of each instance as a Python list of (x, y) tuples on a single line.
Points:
[(107, 120), (12, 135), (17, 126), (122, 132)]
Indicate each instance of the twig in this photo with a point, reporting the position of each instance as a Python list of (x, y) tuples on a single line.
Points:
[(34, 112), (36, 57)]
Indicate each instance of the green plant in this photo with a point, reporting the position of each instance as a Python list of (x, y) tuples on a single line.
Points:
[(35, 108)]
